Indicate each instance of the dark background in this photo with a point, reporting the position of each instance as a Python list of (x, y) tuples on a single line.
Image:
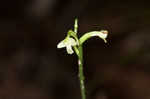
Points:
[(31, 67)]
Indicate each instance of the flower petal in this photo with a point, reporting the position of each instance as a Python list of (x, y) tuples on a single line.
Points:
[(68, 42), (61, 44), (99, 34), (69, 49), (72, 42)]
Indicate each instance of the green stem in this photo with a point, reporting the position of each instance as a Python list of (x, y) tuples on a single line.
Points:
[(81, 74), (76, 26), (79, 52)]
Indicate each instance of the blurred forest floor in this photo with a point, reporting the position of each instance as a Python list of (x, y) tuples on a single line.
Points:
[(31, 67)]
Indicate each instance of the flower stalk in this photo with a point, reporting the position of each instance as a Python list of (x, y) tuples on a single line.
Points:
[(72, 41), (81, 74)]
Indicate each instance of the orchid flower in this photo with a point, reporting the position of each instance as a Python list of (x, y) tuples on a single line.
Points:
[(68, 42), (73, 43), (101, 34)]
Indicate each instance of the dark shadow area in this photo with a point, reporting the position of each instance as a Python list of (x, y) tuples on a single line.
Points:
[(31, 67)]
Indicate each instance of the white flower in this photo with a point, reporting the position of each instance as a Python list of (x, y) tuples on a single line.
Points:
[(102, 34), (68, 42)]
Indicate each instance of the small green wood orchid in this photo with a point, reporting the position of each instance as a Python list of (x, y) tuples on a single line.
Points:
[(73, 43), (68, 42)]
